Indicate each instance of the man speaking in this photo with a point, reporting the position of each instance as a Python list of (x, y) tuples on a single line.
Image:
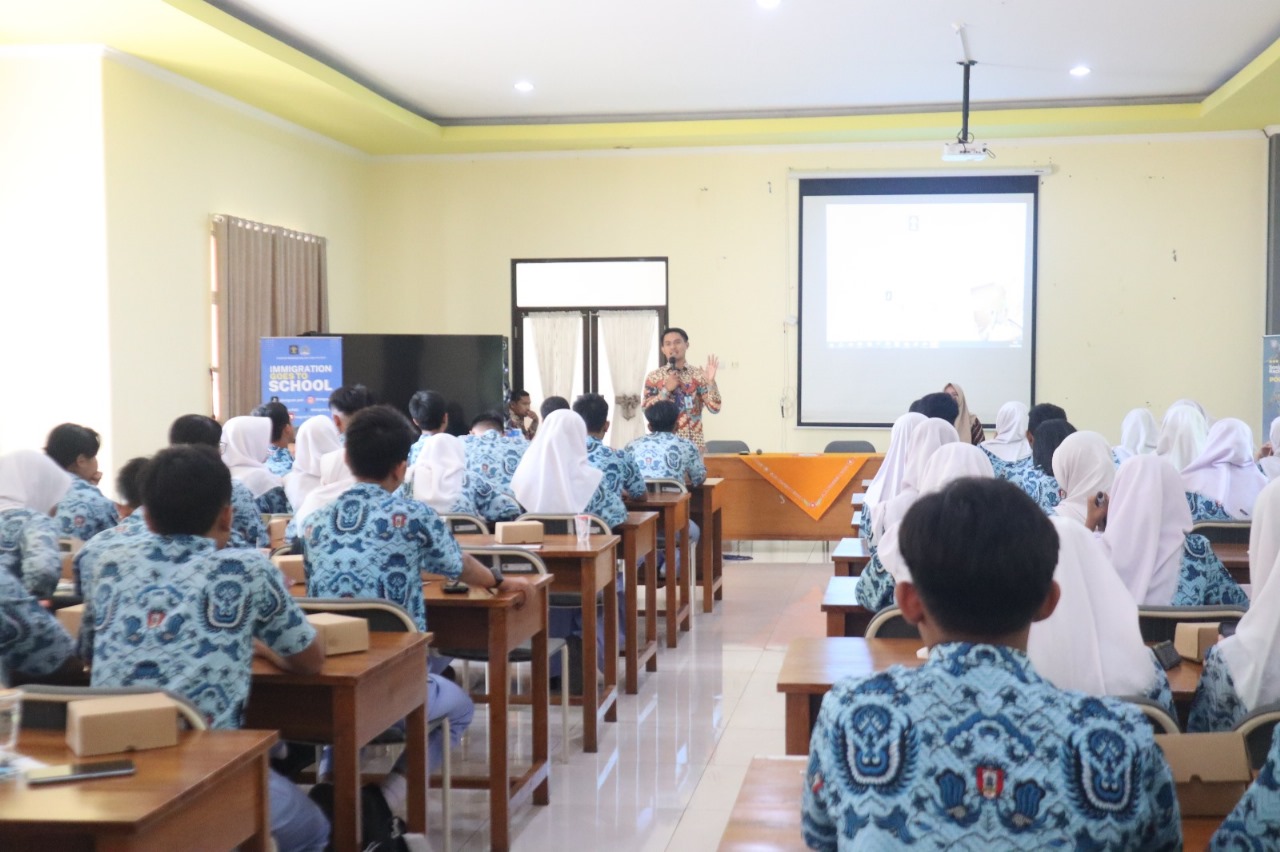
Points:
[(690, 388)]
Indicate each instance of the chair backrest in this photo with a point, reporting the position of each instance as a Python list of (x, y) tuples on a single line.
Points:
[(889, 623), (1257, 729), (850, 447), (1223, 532), (1158, 623), (1161, 721), (510, 560), (555, 524), (383, 616), (665, 486), (727, 447), (462, 524), (44, 707)]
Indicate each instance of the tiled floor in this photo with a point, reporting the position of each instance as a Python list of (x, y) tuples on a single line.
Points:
[(669, 769)]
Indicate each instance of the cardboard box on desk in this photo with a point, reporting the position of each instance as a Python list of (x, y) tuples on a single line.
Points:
[(518, 532), (118, 723), (291, 567), (70, 617), (1210, 770), (340, 634), (1193, 639)]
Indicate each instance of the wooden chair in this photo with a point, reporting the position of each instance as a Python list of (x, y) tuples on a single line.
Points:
[(1161, 721), (1158, 623), (665, 486), (1258, 728), (889, 623), (1223, 532), (462, 524)]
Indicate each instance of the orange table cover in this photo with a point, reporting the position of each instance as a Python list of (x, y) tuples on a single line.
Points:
[(812, 482)]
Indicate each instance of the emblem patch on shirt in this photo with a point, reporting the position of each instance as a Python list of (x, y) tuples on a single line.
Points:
[(990, 781), (397, 520), (816, 783), (79, 520), (155, 618)]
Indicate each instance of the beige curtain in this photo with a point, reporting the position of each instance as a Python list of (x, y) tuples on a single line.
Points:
[(272, 282)]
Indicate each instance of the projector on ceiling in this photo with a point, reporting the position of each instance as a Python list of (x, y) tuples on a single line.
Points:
[(965, 152)]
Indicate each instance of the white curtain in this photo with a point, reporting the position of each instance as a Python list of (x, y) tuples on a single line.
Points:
[(628, 339), (556, 339)]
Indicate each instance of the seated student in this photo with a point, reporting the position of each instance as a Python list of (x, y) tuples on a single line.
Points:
[(1092, 643), (1224, 480), (247, 528), (32, 642), (129, 487), (1182, 433), (521, 420), (1255, 820), (974, 749), (1137, 435), (317, 437), (1146, 521), (1242, 672), (941, 405), (335, 476), (1082, 467), (1268, 460), (1036, 480), (372, 543), (492, 459), (662, 454), (439, 476), (246, 446), (177, 609), (925, 440), (553, 403), (554, 475), (888, 479), (429, 413), (84, 511), (968, 426), (31, 484), (280, 462), (1009, 449), (621, 475)]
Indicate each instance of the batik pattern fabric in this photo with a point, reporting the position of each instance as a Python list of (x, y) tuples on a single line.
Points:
[(273, 502), (864, 522), (1216, 705), (176, 613), (665, 455), (247, 528), (29, 550), (622, 479), (1203, 580), (1010, 471), (1161, 692), (875, 585), (492, 459), (1254, 823), (1039, 486), (31, 639), (692, 395), (416, 449), (85, 563), (974, 750), (85, 511), (280, 461), (373, 544), (1206, 508)]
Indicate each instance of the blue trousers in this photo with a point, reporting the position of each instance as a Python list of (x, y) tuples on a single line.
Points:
[(297, 823)]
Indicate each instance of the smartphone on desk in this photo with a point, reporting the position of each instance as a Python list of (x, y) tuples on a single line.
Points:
[(80, 771), (1167, 655)]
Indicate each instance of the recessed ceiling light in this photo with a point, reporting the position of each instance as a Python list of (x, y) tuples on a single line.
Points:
[(1080, 71), (768, 4), (524, 86)]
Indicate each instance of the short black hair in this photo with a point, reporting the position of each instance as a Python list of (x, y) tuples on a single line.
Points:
[(129, 480), (378, 439), (68, 441), (553, 403), (199, 429), (673, 330), (1048, 436), (427, 408), (518, 393), (593, 409), (662, 416), (981, 554), (279, 415), (184, 488), (349, 399), (491, 417), (1042, 412), (917, 407), (939, 405), (457, 426)]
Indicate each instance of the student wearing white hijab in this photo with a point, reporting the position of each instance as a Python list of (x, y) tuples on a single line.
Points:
[(31, 485), (1242, 672), (1138, 435), (335, 478), (1009, 449), (888, 479), (317, 437), (1224, 480), (968, 426), (554, 475), (925, 439), (1182, 434), (1091, 642), (438, 476), (1269, 461), (1083, 467), (246, 448), (1147, 520)]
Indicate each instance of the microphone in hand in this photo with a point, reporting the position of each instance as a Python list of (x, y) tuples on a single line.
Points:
[(671, 363)]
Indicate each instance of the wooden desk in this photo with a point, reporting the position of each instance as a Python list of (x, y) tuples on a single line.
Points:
[(706, 511), (678, 586), (587, 570), (845, 616), (850, 556), (212, 785), (491, 623), (754, 510), (1197, 832), (350, 701), (639, 539), (1235, 558)]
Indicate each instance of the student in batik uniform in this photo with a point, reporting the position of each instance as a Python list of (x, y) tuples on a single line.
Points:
[(1009, 451), (437, 460), (372, 543), (663, 454), (689, 388), (888, 479), (1224, 480), (175, 609), (84, 511), (1036, 480), (1255, 820), (280, 461), (32, 642), (31, 484), (246, 445), (133, 522), (429, 412), (317, 437), (622, 478), (974, 749), (247, 528), (492, 459)]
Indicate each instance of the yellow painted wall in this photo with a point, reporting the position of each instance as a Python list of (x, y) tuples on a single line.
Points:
[(1121, 322)]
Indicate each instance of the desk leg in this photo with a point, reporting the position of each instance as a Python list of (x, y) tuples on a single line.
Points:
[(835, 624), (651, 606), (798, 726), (611, 640), (415, 744), (671, 584), (499, 765), (706, 557), (346, 777), (261, 840), (717, 555), (686, 581), (631, 649), (841, 569), (590, 681), (541, 714)]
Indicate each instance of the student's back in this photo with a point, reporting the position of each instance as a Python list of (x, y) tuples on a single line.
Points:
[(662, 454)]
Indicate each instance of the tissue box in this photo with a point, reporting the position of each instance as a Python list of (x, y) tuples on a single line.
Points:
[(1211, 771), (70, 617), (1193, 639), (275, 529), (121, 723), (518, 532), (295, 574), (340, 634)]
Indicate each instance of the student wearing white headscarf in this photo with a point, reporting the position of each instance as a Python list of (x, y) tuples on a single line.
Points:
[(1268, 460), (554, 475), (1009, 449), (1242, 672), (317, 437), (31, 485), (335, 478), (246, 448), (1083, 467), (438, 475), (888, 479), (1138, 433), (1147, 520), (1091, 642), (925, 439), (1224, 480), (968, 426), (1182, 434)]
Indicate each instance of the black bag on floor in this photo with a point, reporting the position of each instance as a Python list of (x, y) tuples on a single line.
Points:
[(380, 830)]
